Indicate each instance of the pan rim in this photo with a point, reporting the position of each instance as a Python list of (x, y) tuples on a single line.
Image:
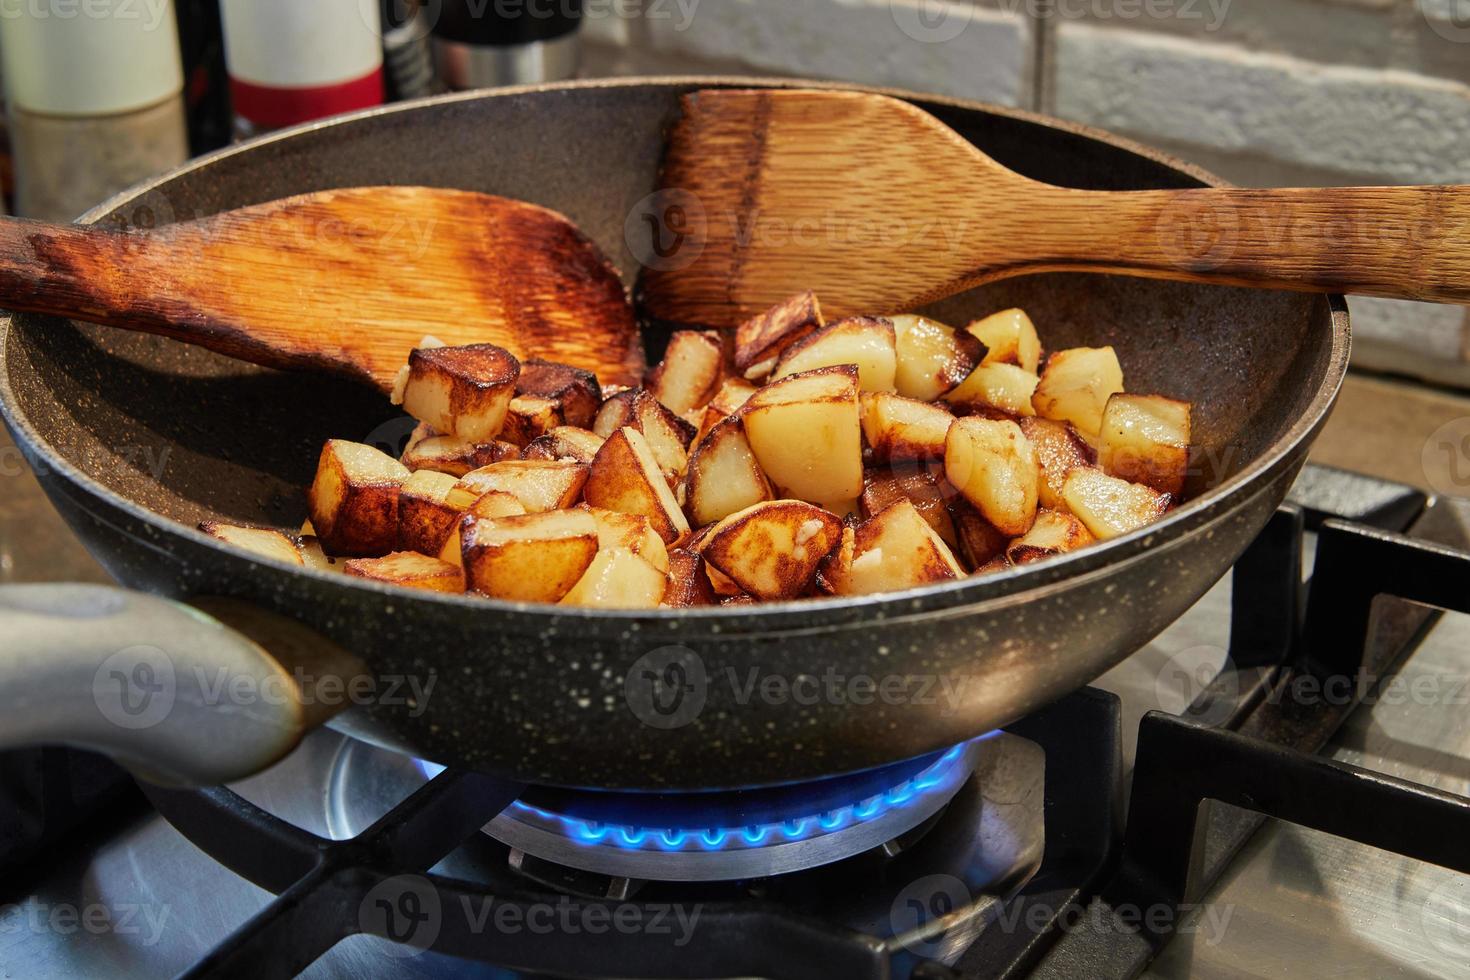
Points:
[(991, 592)]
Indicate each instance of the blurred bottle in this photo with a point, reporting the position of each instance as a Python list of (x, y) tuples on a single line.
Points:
[(480, 43), (95, 101), (291, 61), (406, 53), (206, 83)]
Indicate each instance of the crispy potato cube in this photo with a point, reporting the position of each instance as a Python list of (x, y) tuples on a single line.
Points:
[(832, 571), (528, 558), (461, 391), (264, 541), (667, 434), (1059, 450), (1145, 439), (631, 532), (922, 489), (1076, 386), (997, 564), (354, 499), (731, 397), (617, 579), (494, 504), (529, 417), (992, 464), (979, 540), (762, 338), (865, 341), (1002, 388), (723, 475), (932, 357), (771, 549), (615, 412), (1109, 506), (897, 549), (312, 555), (1010, 338), (1053, 533), (564, 442), (688, 583), (539, 484), (901, 429), (453, 455), (575, 391), (806, 434), (429, 507), (410, 569), (625, 477), (689, 375)]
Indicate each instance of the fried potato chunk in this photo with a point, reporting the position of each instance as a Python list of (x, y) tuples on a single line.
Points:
[(864, 341), (668, 436), (689, 375), (529, 558), (723, 475), (1009, 338), (806, 434), (762, 338), (461, 391), (575, 391), (488, 505), (771, 549), (897, 549), (453, 455), (1109, 506), (902, 429), (529, 417), (992, 464), (920, 488), (625, 477), (932, 357), (409, 569), (688, 583), (429, 507), (264, 541), (1053, 533), (353, 501), (1059, 450), (1145, 439), (631, 532), (1076, 386), (991, 388), (539, 484), (564, 442), (617, 579)]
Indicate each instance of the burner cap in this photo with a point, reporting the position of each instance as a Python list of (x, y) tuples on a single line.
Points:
[(727, 836)]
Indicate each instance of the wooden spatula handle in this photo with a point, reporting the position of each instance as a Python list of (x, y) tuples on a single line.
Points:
[(1399, 242), (64, 269)]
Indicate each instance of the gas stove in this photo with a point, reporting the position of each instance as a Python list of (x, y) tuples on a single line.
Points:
[(1274, 786)]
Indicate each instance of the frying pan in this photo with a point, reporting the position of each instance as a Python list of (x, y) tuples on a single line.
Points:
[(137, 438)]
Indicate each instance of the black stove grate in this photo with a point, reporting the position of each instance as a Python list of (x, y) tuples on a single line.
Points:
[(1259, 747)]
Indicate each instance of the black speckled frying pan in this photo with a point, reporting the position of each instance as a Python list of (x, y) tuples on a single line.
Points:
[(138, 438)]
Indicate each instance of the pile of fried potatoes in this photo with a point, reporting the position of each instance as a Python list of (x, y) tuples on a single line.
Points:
[(794, 458)]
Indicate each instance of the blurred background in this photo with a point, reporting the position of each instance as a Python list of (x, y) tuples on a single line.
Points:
[(103, 93)]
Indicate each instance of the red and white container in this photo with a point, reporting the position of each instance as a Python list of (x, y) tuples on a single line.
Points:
[(291, 61)]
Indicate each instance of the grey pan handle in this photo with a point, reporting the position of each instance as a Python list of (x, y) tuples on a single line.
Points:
[(166, 689)]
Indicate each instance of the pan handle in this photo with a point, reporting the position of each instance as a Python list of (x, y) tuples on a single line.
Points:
[(168, 690)]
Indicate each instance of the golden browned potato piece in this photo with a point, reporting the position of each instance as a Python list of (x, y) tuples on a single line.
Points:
[(864, 341), (539, 484), (1053, 533), (762, 338), (631, 532), (832, 570), (615, 412), (1009, 338), (494, 504), (1003, 388), (667, 434), (1076, 386), (992, 464), (429, 507), (723, 475), (733, 394), (530, 558), (461, 391), (1059, 450), (410, 569), (897, 549), (771, 549), (688, 582), (575, 391), (625, 477), (530, 417), (689, 375), (932, 357), (806, 434), (313, 556), (453, 455), (264, 541), (979, 540), (901, 429), (617, 579), (722, 584), (354, 499), (1109, 506), (565, 442), (1145, 439), (920, 488)]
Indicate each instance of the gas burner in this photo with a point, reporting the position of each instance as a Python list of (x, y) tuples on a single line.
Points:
[(737, 835)]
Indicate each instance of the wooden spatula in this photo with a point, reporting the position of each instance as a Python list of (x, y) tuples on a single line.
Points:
[(878, 206), (342, 280)]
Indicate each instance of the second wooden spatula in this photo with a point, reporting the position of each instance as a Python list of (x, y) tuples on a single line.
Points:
[(342, 280), (879, 207)]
